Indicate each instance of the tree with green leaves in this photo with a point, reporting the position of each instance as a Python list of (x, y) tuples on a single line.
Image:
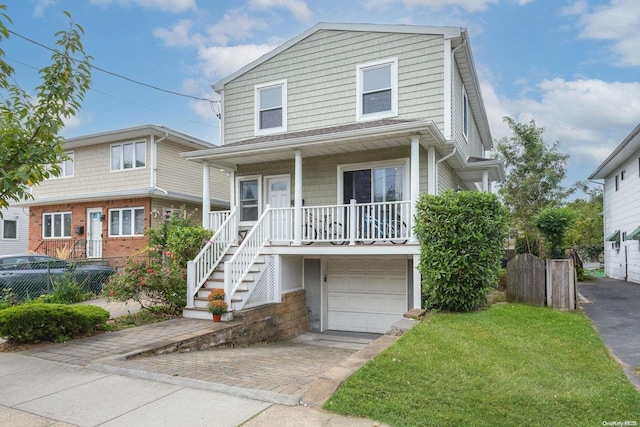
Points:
[(534, 172), (554, 223), (586, 232), (31, 147)]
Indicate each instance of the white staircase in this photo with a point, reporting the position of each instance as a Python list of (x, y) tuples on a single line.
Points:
[(216, 280)]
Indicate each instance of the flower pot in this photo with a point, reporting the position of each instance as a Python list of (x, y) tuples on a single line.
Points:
[(217, 317)]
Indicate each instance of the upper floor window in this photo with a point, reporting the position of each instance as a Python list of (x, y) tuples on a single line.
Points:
[(617, 183), (126, 222), (10, 229), (56, 225), (465, 114), (66, 166), (271, 108), (130, 155), (377, 84)]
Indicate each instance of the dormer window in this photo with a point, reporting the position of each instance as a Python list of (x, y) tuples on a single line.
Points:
[(271, 108), (377, 84)]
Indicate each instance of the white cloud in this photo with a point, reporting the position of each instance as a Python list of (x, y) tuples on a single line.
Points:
[(577, 8), (298, 8), (177, 36), (41, 6), (470, 5), (588, 116), (237, 24), (219, 61), (617, 23), (173, 6)]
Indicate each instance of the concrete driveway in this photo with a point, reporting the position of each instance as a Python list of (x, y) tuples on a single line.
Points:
[(614, 308)]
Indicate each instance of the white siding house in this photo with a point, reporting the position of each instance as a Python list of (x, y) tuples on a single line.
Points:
[(620, 173), (329, 140), (14, 231)]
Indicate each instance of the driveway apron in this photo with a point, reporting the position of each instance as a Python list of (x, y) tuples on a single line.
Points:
[(614, 308)]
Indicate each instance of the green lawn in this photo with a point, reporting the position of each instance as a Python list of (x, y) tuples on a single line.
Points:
[(506, 366)]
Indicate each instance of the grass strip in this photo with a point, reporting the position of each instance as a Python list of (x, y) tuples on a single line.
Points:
[(508, 365)]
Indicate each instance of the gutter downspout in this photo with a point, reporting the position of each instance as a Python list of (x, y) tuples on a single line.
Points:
[(438, 164), (154, 162)]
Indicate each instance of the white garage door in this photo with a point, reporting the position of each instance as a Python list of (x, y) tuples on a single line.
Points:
[(366, 294)]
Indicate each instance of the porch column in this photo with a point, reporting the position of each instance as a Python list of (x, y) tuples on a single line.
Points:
[(206, 196), (417, 284), (297, 201), (415, 183), (432, 173), (485, 181)]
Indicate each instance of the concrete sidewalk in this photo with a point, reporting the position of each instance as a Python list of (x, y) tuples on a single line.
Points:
[(91, 381)]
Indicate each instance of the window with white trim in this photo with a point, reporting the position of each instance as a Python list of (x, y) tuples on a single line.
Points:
[(66, 166), (126, 222), (465, 114), (130, 155), (56, 225), (377, 89), (10, 229), (271, 107), (249, 199)]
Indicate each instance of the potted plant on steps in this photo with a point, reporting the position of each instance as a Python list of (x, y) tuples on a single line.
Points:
[(216, 304)]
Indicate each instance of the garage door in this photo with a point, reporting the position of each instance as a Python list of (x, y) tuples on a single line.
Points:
[(366, 294)]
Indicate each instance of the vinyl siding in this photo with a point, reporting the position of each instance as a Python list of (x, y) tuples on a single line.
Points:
[(319, 174), (21, 243), (179, 175), (447, 179), (621, 213), (321, 80), (92, 174), (472, 145)]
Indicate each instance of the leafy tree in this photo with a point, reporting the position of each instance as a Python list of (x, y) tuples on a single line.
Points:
[(553, 223), (534, 173), (586, 232), (30, 144)]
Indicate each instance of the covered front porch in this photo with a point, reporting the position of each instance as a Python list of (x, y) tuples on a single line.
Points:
[(337, 191)]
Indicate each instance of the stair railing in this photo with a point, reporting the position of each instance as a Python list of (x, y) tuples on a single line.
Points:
[(237, 268), (199, 270)]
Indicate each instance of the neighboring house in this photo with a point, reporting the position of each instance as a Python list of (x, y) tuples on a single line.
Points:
[(621, 175), (114, 185), (14, 230), (331, 138)]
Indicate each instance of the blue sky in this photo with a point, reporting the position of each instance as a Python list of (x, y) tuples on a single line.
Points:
[(570, 65)]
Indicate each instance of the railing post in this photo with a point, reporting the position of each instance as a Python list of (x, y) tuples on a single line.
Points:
[(227, 283), (352, 222), (191, 283)]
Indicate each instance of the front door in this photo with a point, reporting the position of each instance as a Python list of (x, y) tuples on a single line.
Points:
[(279, 196), (94, 233)]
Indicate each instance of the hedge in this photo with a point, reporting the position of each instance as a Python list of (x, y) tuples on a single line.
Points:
[(30, 323)]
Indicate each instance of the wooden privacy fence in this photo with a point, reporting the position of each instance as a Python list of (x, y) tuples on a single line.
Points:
[(532, 281)]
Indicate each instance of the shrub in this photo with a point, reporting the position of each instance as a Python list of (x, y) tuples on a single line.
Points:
[(147, 281), (67, 290), (462, 237), (36, 322), (217, 306)]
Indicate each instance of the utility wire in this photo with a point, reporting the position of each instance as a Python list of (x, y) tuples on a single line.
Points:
[(211, 101)]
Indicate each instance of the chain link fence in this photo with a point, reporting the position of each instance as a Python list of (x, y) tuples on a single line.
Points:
[(32, 275)]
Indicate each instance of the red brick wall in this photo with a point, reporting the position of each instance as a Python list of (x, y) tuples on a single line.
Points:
[(115, 248)]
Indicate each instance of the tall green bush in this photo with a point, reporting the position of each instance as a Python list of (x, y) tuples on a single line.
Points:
[(462, 237)]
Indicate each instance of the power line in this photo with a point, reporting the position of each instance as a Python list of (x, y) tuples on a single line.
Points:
[(210, 101)]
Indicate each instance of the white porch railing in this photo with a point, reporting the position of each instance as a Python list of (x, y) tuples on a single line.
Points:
[(365, 223), (281, 222), (237, 268), (217, 218), (199, 270)]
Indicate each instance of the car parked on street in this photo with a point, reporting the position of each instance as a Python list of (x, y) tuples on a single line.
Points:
[(31, 275)]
